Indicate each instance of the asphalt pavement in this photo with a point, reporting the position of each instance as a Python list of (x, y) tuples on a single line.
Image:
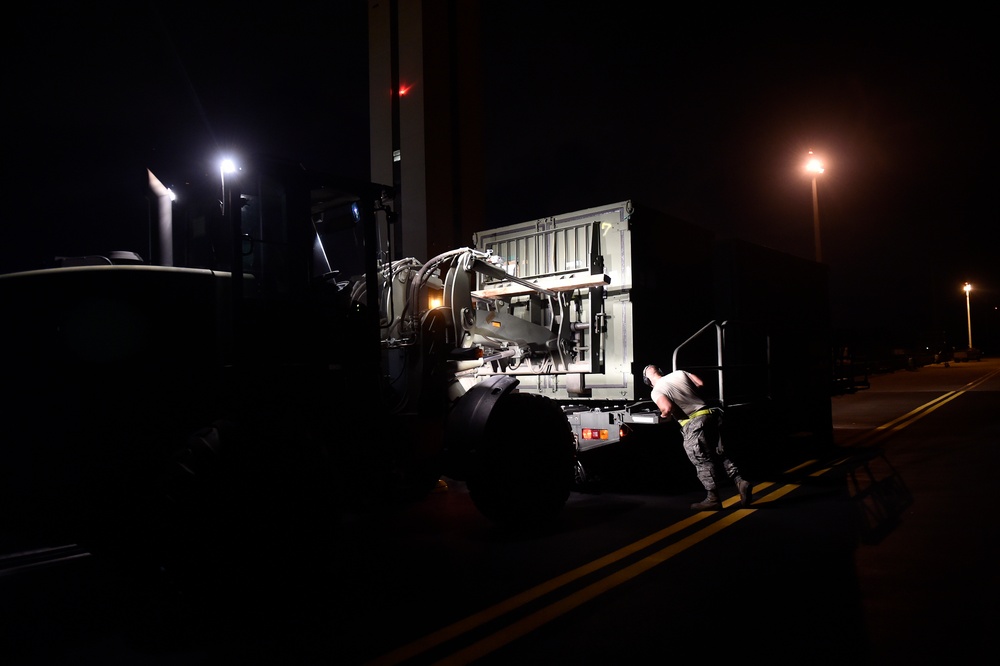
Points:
[(920, 450), (928, 575)]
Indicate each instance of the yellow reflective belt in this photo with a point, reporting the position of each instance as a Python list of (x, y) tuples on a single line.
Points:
[(700, 412)]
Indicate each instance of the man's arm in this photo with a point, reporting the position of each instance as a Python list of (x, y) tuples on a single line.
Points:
[(664, 403), (696, 379)]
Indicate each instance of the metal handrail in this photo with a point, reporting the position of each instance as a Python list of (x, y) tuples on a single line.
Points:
[(721, 355)]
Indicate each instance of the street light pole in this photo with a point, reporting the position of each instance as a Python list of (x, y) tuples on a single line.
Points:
[(815, 167), (968, 311), (226, 165), (819, 253)]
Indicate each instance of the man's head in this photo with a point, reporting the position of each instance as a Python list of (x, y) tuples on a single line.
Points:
[(650, 374)]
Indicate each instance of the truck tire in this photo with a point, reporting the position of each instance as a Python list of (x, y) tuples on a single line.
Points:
[(522, 470), (179, 519), (159, 536)]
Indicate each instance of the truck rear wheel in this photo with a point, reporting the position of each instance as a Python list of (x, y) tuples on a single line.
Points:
[(522, 469)]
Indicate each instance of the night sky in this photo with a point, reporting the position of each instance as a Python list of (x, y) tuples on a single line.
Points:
[(706, 115)]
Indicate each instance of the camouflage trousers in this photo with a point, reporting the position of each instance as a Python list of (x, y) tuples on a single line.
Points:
[(703, 446)]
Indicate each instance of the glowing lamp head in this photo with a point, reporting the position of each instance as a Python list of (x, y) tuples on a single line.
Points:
[(814, 165), (435, 298)]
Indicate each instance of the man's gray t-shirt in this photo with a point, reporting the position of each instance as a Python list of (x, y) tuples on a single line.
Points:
[(680, 390)]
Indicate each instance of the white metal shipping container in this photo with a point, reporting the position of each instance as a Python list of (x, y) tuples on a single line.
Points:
[(563, 247)]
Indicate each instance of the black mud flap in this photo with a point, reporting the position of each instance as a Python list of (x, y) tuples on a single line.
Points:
[(521, 468), (467, 421)]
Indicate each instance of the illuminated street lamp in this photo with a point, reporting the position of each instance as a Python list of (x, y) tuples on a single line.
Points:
[(968, 312), (815, 167)]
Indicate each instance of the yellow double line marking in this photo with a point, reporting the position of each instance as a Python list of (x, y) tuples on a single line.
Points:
[(534, 620), (565, 604), (887, 429)]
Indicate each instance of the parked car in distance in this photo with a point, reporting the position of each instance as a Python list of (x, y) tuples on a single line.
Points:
[(968, 354)]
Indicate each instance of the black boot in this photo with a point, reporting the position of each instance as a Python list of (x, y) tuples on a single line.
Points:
[(710, 503), (746, 491)]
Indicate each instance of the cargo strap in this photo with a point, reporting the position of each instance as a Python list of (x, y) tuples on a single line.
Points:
[(700, 412)]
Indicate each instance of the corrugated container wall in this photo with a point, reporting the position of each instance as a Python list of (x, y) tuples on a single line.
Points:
[(668, 280), (658, 291), (789, 298)]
